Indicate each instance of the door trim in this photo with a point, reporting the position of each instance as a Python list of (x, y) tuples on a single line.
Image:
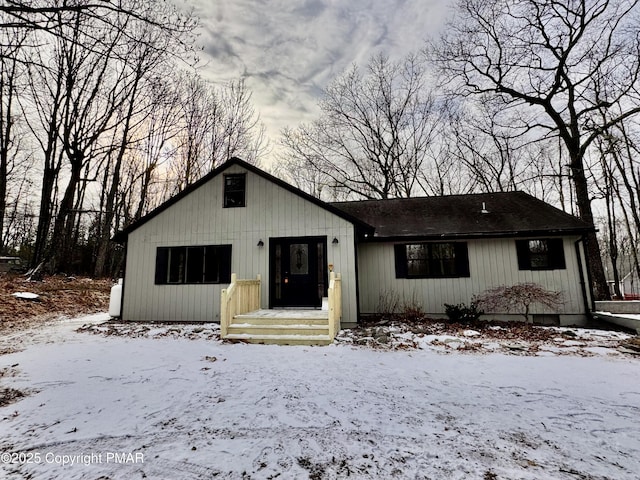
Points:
[(273, 241)]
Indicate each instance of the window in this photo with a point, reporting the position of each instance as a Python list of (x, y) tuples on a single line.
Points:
[(540, 254), (234, 189), (432, 260), (198, 264)]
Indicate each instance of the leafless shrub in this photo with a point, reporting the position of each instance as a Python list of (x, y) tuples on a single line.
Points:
[(518, 298), (388, 303), (412, 308)]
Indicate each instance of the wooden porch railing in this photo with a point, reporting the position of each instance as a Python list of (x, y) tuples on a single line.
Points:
[(335, 303), (242, 296)]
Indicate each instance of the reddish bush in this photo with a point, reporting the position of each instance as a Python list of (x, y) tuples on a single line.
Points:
[(518, 298)]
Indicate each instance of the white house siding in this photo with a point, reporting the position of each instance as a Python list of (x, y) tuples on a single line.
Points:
[(492, 262), (200, 219)]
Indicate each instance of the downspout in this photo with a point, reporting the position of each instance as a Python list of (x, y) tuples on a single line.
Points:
[(357, 273), (583, 287)]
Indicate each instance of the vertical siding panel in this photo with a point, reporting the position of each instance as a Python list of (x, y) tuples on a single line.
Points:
[(199, 307), (285, 217), (148, 298), (569, 255), (496, 274), (475, 269), (511, 259)]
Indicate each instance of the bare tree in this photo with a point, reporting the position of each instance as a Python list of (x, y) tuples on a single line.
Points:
[(216, 124), (84, 84), (196, 101), (142, 62), (546, 176), (238, 130), (374, 131), (619, 185), (41, 15), (94, 90), (443, 173), (546, 58), (607, 186), (488, 155), (313, 181), (482, 141), (42, 106), (153, 149), (51, 15), (11, 40)]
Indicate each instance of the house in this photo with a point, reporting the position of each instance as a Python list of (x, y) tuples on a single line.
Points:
[(429, 251)]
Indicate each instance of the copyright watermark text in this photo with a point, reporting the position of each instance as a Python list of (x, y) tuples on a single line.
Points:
[(83, 458)]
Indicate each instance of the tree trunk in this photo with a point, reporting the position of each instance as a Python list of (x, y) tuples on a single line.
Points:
[(61, 243), (613, 239), (107, 220), (598, 278), (4, 161), (44, 220), (3, 199), (6, 122)]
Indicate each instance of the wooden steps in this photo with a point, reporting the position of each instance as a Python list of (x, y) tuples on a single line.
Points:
[(281, 327)]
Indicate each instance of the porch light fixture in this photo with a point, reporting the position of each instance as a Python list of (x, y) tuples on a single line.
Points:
[(260, 243), (335, 240)]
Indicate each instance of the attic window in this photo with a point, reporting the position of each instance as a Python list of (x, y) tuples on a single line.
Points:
[(432, 260), (234, 190), (540, 254)]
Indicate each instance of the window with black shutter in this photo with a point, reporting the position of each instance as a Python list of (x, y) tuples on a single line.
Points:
[(193, 264), (540, 254), (432, 260)]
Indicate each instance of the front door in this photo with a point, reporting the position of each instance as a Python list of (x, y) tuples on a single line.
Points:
[(298, 274)]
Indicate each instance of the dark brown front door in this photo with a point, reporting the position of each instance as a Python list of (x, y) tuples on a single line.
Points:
[(298, 272)]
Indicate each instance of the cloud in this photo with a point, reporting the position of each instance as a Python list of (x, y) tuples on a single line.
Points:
[(289, 50)]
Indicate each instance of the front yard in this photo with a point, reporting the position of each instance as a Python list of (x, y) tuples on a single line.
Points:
[(154, 401)]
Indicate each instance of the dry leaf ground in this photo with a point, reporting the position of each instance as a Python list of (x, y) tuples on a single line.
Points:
[(58, 296)]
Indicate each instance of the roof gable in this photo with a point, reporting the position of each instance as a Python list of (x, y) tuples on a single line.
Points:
[(359, 224), (507, 214)]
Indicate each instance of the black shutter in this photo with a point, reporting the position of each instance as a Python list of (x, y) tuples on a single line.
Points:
[(462, 259), (162, 260), (556, 254), (401, 260), (524, 259)]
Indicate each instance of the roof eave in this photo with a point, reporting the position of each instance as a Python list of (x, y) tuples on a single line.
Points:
[(478, 235)]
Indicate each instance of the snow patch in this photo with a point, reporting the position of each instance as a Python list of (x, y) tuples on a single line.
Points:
[(26, 295)]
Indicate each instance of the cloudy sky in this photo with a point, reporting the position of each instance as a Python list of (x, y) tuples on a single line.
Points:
[(289, 50)]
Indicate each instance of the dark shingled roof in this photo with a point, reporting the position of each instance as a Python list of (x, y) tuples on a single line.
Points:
[(509, 214)]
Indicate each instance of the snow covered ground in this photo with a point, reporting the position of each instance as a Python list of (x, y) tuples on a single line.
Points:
[(627, 320), (176, 403)]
